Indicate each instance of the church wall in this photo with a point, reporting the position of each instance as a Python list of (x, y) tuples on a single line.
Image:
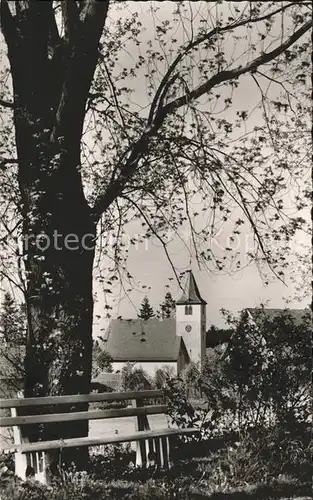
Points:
[(192, 328)]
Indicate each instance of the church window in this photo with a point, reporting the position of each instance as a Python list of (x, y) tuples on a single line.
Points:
[(188, 310)]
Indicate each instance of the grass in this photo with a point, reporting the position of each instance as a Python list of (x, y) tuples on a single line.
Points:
[(156, 487), (217, 473)]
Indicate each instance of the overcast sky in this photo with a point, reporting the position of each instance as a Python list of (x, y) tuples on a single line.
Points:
[(148, 263), (151, 268)]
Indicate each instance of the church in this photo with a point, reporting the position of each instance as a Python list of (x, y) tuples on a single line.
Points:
[(155, 343)]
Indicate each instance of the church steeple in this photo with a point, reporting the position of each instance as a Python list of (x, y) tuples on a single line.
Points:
[(191, 294), (191, 321)]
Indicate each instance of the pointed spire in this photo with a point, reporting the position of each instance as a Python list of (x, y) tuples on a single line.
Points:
[(191, 294)]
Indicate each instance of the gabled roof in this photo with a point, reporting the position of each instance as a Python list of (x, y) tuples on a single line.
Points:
[(138, 340), (191, 294), (111, 380), (297, 314)]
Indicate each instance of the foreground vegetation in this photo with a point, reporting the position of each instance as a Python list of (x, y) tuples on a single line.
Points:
[(254, 419), (234, 467)]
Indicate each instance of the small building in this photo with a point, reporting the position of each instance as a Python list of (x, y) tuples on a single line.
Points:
[(106, 382), (155, 343), (222, 336)]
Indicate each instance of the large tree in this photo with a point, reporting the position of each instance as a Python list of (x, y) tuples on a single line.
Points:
[(85, 159)]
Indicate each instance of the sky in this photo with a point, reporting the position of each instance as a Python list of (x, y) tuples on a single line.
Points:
[(148, 263)]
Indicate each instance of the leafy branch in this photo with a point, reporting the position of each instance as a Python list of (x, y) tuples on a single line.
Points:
[(129, 162)]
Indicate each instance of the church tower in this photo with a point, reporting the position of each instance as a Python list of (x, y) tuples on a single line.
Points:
[(191, 321)]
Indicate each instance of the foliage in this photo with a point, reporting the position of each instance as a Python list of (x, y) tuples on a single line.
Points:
[(101, 360), (263, 465), (191, 374), (12, 321), (107, 460), (261, 380), (217, 336), (162, 375), (263, 456), (194, 132), (192, 377), (266, 368), (182, 413), (146, 311), (134, 379)]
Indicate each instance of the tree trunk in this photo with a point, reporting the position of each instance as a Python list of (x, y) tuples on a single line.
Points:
[(59, 343), (58, 251), (51, 80)]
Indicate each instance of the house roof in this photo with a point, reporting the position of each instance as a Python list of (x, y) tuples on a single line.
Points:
[(297, 314), (218, 336), (138, 340), (110, 380), (191, 294)]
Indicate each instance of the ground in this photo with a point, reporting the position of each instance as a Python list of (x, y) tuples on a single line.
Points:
[(211, 471), (187, 481)]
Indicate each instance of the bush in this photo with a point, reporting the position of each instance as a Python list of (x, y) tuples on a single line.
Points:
[(262, 460), (261, 379)]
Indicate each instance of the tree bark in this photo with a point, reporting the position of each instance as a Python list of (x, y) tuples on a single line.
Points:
[(58, 251), (51, 80), (59, 344)]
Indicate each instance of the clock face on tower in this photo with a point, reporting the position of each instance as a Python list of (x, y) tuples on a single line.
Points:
[(188, 328)]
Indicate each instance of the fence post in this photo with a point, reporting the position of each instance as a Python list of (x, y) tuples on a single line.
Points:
[(145, 453), (141, 458), (20, 459)]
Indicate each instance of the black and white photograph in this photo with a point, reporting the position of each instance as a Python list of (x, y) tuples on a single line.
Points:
[(155, 250)]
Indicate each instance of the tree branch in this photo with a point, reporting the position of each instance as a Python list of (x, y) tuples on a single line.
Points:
[(81, 67), (227, 75), (7, 161), (168, 79), (132, 202), (128, 167)]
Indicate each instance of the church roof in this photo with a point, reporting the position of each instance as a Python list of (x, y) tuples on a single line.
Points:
[(191, 294), (138, 340)]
